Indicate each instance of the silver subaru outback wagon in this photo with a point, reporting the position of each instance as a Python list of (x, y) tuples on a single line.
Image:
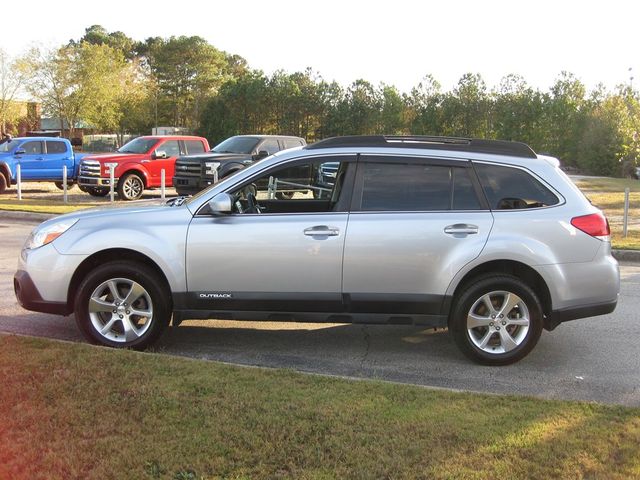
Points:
[(483, 237)]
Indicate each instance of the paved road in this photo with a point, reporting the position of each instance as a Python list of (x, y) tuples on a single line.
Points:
[(596, 359)]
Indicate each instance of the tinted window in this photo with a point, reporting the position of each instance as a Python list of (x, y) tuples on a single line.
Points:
[(32, 147), (56, 147), (194, 146), (171, 148), (510, 188), (270, 145), (410, 187)]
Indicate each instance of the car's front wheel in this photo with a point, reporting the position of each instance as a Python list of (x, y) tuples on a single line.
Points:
[(122, 304), (496, 320), (130, 187)]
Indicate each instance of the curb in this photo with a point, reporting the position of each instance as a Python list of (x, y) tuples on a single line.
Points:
[(618, 254)]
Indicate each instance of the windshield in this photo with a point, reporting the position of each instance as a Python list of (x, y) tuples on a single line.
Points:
[(138, 145), (237, 145), (8, 146)]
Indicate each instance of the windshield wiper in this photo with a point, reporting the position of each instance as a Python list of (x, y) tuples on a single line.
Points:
[(176, 202)]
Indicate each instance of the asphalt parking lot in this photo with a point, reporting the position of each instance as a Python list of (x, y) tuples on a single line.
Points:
[(592, 359)]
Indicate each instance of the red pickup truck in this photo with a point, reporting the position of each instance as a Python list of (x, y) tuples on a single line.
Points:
[(138, 165)]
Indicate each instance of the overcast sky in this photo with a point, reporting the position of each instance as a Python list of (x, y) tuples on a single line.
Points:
[(395, 42)]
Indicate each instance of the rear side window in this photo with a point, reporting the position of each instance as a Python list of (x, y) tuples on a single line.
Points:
[(56, 147), (510, 188), (412, 187), (194, 146), (291, 143)]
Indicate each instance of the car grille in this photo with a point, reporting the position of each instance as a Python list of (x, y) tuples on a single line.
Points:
[(188, 169), (89, 168)]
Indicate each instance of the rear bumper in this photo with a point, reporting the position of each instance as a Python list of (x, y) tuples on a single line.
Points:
[(564, 315), (29, 297)]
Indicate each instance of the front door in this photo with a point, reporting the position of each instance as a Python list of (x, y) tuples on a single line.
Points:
[(276, 254), (31, 161)]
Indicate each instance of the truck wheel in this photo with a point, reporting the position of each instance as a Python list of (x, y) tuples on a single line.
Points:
[(497, 320), (70, 184), (122, 305), (3, 183), (96, 192), (130, 187)]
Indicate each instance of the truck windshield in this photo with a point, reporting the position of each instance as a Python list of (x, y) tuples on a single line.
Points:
[(138, 145), (8, 146), (236, 145)]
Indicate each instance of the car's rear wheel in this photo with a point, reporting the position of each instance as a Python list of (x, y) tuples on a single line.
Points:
[(496, 320), (122, 305), (130, 187)]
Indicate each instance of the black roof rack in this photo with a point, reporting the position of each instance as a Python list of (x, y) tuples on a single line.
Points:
[(496, 147)]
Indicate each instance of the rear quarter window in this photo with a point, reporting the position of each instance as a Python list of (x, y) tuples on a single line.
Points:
[(509, 188)]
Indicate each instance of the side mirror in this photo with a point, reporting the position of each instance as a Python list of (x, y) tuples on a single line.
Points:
[(20, 151), (159, 154), (261, 154), (221, 203)]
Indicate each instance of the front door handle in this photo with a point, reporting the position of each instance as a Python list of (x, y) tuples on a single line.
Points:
[(461, 229), (321, 231)]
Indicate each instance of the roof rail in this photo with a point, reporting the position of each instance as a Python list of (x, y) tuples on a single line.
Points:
[(458, 144)]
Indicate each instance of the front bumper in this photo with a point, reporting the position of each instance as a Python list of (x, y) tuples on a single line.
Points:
[(96, 181), (191, 185), (29, 297)]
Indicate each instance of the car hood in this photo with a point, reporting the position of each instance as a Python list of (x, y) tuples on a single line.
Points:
[(116, 157), (216, 157)]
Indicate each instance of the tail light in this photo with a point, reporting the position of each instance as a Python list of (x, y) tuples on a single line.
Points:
[(595, 225)]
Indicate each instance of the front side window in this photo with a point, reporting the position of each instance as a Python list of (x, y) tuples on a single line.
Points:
[(270, 146), (32, 148), (300, 187), (171, 148), (508, 188), (404, 187), (56, 147)]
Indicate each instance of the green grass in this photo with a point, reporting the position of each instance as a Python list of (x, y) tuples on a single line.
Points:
[(75, 411), (43, 206)]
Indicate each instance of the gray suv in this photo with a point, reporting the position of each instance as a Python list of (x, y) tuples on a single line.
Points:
[(483, 237)]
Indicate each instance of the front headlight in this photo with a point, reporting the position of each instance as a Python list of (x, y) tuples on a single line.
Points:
[(42, 235)]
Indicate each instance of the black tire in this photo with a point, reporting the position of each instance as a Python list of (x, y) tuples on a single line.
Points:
[(130, 186), (70, 184), (496, 340), (129, 279), (3, 183), (96, 192)]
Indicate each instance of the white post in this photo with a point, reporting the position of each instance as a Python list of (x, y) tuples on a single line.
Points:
[(112, 168), (162, 181), (19, 181), (625, 218), (64, 182)]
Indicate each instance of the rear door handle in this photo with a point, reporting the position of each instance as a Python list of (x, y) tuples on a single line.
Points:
[(321, 231), (461, 229)]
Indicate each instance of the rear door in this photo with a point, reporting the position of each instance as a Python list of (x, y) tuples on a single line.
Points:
[(57, 154), (414, 224)]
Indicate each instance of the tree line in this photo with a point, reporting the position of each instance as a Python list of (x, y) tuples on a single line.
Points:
[(119, 85)]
